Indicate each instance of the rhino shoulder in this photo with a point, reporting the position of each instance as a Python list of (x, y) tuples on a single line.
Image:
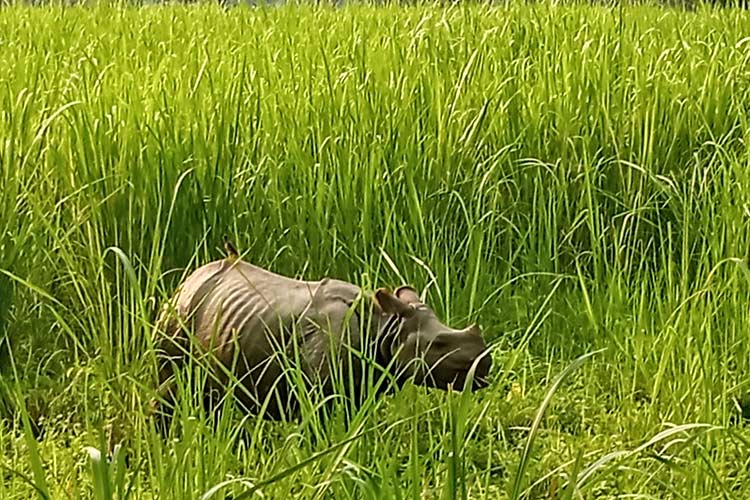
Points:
[(334, 306), (335, 295)]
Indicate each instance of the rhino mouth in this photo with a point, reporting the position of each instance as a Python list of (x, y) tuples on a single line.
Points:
[(458, 382), (441, 378)]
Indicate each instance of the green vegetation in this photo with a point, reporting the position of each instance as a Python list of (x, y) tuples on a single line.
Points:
[(574, 178)]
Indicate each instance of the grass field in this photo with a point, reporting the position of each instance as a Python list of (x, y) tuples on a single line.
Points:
[(573, 178)]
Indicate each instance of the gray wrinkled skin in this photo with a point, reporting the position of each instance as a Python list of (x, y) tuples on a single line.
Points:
[(255, 323)]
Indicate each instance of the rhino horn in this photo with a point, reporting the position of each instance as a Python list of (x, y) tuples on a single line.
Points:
[(474, 330)]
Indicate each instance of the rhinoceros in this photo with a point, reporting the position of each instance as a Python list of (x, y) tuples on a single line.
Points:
[(256, 324)]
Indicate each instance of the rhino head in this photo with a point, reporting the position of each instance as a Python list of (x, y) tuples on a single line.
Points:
[(422, 347)]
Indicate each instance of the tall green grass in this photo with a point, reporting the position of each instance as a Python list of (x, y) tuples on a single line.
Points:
[(571, 177)]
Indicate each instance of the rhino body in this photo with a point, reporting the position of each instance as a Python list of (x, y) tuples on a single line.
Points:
[(255, 324)]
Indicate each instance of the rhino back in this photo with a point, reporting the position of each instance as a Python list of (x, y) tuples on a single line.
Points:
[(245, 302)]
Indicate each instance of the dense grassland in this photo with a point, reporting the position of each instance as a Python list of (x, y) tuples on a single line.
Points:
[(573, 178)]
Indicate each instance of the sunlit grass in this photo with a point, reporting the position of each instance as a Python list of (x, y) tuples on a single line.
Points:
[(571, 177)]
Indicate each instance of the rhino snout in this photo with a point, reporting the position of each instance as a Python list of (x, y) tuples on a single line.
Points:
[(477, 355), (457, 356), (457, 379)]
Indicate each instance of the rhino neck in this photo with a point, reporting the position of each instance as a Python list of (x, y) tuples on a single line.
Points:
[(388, 328)]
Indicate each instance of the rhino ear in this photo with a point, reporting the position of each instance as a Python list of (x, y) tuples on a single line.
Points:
[(391, 304), (408, 294)]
